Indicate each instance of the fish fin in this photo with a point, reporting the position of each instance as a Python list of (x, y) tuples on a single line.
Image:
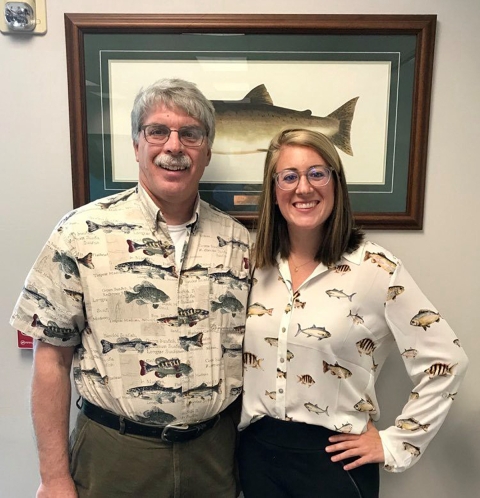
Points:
[(143, 369), (258, 95), (344, 115), (107, 346)]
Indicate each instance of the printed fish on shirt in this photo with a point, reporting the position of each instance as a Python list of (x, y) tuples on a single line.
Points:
[(341, 269), (31, 292), (337, 370), (87, 261), (394, 291), (382, 261), (228, 277), (339, 294), (156, 416), (357, 319), (148, 268), (233, 350), (203, 391), (251, 360), (164, 366), (67, 264), (411, 424), (76, 296), (123, 344), (425, 318), (155, 391), (195, 340), (196, 271), (314, 331), (440, 370), (227, 303), (108, 227), (92, 374), (188, 316), (281, 374), (145, 293), (316, 409), (151, 247), (345, 428), (413, 395), (365, 406), (449, 396), (271, 394), (410, 353), (51, 329), (414, 450), (258, 309), (365, 346), (235, 243), (306, 380), (236, 390)]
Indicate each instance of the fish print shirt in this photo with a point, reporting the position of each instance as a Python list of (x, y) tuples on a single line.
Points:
[(313, 356), (155, 343)]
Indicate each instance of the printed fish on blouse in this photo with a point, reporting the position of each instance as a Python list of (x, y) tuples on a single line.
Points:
[(271, 394), (164, 366), (357, 319), (236, 390), (341, 269), (67, 264), (147, 268), (156, 391), (188, 316), (339, 294), (314, 331), (281, 374), (203, 391), (228, 277), (235, 243), (381, 260), (92, 374), (156, 416), (345, 428), (449, 396), (87, 261), (233, 350), (412, 424), (76, 296), (108, 227), (251, 360), (107, 203), (365, 346), (413, 395), (410, 353), (51, 329), (440, 370), (151, 247), (124, 344), (306, 380), (394, 291), (145, 293), (31, 292), (337, 370), (195, 340), (365, 405), (457, 343), (425, 318), (258, 309), (227, 303), (196, 271), (414, 450), (316, 409)]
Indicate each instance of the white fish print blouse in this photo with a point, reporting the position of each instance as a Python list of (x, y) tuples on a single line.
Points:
[(151, 337), (313, 356)]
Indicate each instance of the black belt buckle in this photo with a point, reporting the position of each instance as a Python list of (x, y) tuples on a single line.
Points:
[(179, 433)]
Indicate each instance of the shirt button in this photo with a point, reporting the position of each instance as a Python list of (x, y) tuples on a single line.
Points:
[(282, 360), (280, 391)]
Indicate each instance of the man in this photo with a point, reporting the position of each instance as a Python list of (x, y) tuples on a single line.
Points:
[(145, 293)]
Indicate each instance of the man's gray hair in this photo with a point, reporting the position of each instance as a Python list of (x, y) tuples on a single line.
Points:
[(173, 93)]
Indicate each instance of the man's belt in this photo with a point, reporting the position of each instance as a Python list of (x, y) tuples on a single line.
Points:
[(168, 433)]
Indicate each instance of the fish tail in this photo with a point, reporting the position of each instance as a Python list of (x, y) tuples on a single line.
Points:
[(106, 346), (129, 296), (143, 369), (350, 297), (215, 305), (344, 115), (223, 350), (131, 246), (221, 242), (326, 411), (92, 227), (298, 332), (325, 366), (35, 320)]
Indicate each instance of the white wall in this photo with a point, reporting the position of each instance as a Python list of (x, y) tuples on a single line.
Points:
[(35, 164)]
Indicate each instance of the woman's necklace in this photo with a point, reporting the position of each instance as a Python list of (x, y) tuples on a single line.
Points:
[(296, 267)]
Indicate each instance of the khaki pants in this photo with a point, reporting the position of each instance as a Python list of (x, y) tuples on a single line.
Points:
[(106, 464)]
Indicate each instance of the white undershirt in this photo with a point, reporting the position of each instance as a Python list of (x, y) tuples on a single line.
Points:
[(178, 234)]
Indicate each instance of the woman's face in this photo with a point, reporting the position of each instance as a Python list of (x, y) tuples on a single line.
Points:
[(304, 207)]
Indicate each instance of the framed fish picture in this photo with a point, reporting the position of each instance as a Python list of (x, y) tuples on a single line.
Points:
[(362, 80)]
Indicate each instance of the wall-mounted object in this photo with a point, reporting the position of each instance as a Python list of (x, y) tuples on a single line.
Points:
[(27, 17)]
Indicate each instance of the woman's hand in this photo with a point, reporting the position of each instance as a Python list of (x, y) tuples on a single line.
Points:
[(367, 447)]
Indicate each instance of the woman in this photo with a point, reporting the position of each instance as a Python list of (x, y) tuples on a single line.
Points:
[(324, 310)]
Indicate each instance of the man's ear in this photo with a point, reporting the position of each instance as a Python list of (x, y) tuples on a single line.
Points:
[(135, 148)]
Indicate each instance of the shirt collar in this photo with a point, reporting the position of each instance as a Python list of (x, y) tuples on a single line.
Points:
[(357, 256)]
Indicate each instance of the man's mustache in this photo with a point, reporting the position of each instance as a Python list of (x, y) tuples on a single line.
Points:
[(172, 162)]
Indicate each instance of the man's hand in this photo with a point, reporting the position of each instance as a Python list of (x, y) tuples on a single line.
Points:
[(367, 447), (59, 488)]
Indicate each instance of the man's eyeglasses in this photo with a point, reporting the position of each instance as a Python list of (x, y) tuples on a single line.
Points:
[(190, 136), (317, 176)]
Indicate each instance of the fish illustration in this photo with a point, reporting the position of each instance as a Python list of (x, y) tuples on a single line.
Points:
[(345, 428), (108, 227), (457, 343), (314, 331), (381, 260), (414, 450), (411, 424), (31, 292), (64, 219), (151, 247), (281, 374), (188, 316), (365, 406), (258, 310), (288, 308), (410, 353), (339, 294), (145, 293), (196, 271), (195, 340), (374, 365), (290, 355), (341, 269), (413, 395), (247, 125), (306, 380), (67, 264), (86, 261), (53, 330), (271, 394), (394, 291), (365, 346), (228, 277), (299, 304), (203, 391), (316, 409), (164, 367), (251, 360), (227, 303), (156, 416), (124, 344), (239, 329), (425, 318), (92, 374), (236, 390), (76, 296), (449, 396), (148, 268), (339, 371), (112, 201), (357, 319), (233, 350), (440, 370), (155, 391), (273, 341), (235, 243)]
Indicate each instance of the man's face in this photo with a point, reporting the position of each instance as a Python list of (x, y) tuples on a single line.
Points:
[(171, 172)]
